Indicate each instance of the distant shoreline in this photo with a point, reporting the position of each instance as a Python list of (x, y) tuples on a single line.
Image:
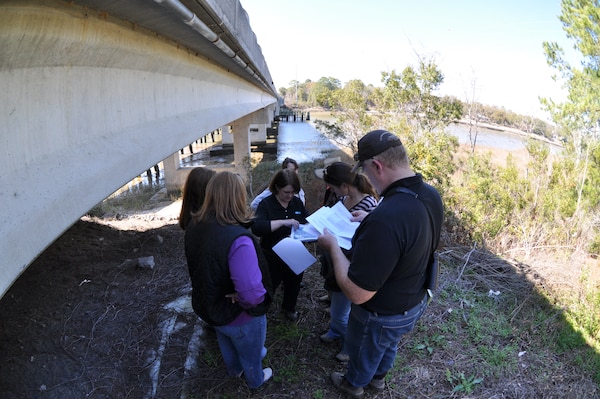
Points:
[(325, 115), (505, 129)]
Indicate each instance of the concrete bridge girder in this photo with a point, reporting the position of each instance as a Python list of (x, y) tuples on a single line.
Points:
[(89, 103)]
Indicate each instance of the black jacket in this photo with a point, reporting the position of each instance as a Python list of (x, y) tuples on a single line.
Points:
[(206, 248)]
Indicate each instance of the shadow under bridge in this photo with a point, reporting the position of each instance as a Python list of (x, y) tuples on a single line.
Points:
[(95, 92)]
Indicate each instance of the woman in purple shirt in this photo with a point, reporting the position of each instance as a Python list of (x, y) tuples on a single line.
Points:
[(231, 285)]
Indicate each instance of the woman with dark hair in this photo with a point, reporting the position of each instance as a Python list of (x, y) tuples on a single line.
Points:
[(288, 163), (231, 286), (274, 219), (193, 193), (357, 194)]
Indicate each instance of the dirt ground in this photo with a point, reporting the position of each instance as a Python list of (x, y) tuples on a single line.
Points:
[(92, 318)]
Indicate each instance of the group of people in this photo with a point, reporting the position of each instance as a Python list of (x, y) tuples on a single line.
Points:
[(377, 288)]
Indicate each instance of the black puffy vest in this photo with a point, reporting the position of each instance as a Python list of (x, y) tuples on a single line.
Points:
[(206, 248)]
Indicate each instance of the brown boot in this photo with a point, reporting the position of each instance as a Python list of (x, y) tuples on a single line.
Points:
[(343, 385), (377, 384)]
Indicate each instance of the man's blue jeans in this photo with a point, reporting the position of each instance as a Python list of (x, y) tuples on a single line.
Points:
[(242, 348), (372, 341)]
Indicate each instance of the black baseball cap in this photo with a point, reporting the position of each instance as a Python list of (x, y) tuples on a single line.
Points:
[(374, 143)]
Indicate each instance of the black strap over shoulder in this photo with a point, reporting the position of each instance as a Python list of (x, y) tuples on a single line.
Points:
[(433, 270)]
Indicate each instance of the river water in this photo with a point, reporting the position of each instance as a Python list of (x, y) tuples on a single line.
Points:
[(304, 143), (489, 138)]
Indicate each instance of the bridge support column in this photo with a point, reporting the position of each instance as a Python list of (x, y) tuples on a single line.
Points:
[(226, 135), (241, 139), (241, 145), (174, 181)]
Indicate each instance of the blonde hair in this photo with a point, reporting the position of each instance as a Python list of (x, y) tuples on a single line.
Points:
[(225, 201), (394, 157)]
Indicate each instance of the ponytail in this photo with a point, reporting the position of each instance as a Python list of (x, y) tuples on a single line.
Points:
[(364, 185)]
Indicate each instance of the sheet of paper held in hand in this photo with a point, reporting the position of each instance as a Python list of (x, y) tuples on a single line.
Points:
[(337, 220), (305, 233), (294, 254)]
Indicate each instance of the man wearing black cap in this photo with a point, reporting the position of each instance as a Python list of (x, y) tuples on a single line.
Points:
[(386, 277)]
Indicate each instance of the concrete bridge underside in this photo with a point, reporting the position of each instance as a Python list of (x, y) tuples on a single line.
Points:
[(89, 101)]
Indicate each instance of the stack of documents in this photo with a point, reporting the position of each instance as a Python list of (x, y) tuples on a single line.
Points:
[(335, 219)]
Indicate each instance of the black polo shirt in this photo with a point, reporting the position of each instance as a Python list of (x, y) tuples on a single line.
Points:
[(393, 244), (270, 209)]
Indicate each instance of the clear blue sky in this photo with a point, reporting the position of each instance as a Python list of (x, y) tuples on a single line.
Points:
[(496, 44)]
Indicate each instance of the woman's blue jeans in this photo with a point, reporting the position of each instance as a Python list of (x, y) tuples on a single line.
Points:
[(372, 341), (242, 348), (339, 312)]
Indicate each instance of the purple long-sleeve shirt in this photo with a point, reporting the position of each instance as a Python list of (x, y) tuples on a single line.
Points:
[(246, 276)]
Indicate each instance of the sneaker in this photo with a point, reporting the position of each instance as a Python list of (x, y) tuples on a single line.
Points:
[(263, 353), (343, 357), (267, 374), (328, 339), (324, 298), (343, 385), (377, 384)]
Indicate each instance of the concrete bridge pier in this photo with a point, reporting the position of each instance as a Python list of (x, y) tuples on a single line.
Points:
[(246, 130), (242, 138)]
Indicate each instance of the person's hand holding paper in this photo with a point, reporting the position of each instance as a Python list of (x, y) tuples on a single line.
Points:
[(337, 220), (327, 240)]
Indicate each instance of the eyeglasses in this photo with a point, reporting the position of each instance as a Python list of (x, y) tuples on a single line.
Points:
[(362, 163)]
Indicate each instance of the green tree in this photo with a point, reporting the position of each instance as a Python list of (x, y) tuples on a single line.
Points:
[(322, 93), (420, 117), (579, 115), (352, 118), (297, 93), (410, 98), (432, 156)]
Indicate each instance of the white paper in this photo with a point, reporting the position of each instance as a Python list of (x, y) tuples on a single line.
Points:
[(305, 232), (294, 254), (337, 220)]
